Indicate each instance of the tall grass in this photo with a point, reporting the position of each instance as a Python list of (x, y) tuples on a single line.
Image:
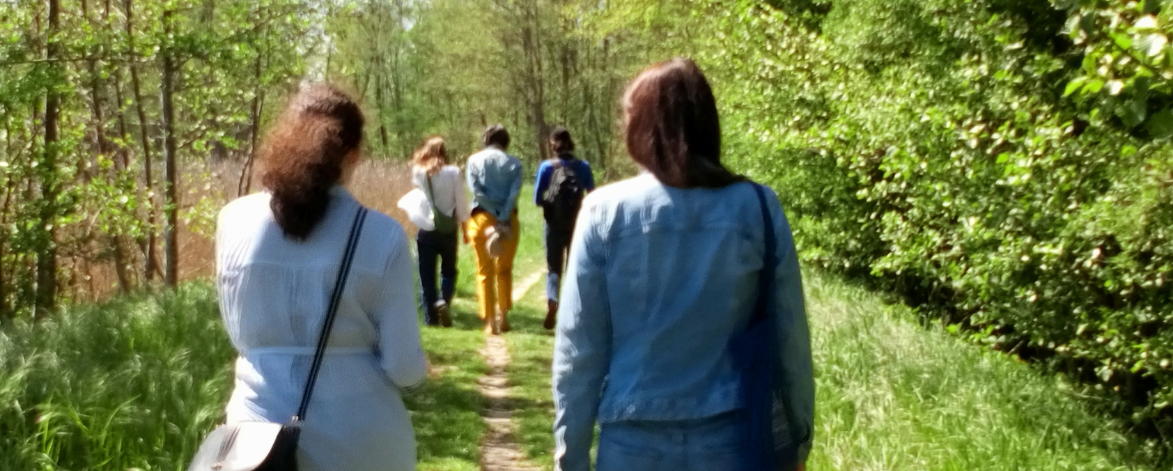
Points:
[(892, 395), (128, 384)]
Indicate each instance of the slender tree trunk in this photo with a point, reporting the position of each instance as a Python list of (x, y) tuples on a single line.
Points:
[(171, 202), (244, 185), (150, 263), (99, 123), (47, 250), (379, 82)]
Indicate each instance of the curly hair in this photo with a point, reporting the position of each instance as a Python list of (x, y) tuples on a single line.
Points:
[(431, 156), (304, 154)]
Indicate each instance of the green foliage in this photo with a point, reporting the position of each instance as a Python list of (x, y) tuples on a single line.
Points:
[(929, 146), (130, 384), (86, 198)]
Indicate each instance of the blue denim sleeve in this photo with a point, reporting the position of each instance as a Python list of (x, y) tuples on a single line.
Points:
[(474, 175), (541, 181), (582, 347), (514, 191), (797, 371)]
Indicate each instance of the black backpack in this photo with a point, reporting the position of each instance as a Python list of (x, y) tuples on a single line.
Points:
[(563, 197)]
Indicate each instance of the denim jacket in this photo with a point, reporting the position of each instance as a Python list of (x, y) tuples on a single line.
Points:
[(659, 279), (494, 179)]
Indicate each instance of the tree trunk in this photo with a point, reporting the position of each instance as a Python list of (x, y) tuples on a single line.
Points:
[(244, 185), (47, 248), (171, 202), (103, 148), (150, 258)]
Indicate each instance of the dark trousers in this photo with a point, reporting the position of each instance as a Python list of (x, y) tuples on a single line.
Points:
[(557, 244), (433, 245)]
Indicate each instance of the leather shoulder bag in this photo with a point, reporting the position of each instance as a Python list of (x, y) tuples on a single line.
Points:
[(270, 446)]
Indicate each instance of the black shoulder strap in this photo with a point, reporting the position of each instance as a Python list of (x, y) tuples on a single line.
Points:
[(328, 323), (769, 262)]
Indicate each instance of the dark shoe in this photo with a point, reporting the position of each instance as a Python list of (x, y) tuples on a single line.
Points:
[(503, 322), (551, 315), (443, 314)]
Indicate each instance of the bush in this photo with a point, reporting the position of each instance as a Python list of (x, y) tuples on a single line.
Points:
[(932, 147)]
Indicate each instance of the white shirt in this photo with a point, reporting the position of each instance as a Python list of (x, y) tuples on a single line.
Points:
[(274, 292), (449, 192)]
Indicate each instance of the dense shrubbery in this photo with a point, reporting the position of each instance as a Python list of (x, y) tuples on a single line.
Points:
[(936, 147)]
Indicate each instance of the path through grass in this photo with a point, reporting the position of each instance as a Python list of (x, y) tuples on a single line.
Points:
[(891, 396), (135, 383)]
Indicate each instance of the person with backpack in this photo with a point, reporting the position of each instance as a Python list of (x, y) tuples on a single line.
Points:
[(561, 183), (441, 185), (494, 179)]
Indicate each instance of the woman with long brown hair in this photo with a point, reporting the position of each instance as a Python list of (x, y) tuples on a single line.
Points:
[(667, 273), (279, 254), (443, 187)]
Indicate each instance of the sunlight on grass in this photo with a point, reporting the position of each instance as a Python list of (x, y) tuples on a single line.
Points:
[(446, 413), (531, 348), (895, 396), (136, 382)]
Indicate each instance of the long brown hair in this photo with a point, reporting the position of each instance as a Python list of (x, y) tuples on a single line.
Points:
[(431, 156), (304, 154), (672, 126)]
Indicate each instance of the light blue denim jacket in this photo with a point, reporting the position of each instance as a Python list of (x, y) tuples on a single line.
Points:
[(659, 279), (494, 179)]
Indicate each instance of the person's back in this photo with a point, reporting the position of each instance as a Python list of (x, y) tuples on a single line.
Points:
[(446, 212), (494, 179), (278, 258), (559, 187), (671, 315), (663, 275)]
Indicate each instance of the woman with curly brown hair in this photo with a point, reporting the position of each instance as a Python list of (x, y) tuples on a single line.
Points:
[(279, 254)]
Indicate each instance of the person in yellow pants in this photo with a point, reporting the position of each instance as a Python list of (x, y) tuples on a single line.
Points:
[(494, 180), (494, 272)]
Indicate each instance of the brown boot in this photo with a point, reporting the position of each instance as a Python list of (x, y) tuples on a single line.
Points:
[(551, 314), (505, 327), (491, 326)]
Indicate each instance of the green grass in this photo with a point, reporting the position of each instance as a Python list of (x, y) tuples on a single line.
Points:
[(891, 395), (136, 382), (446, 412), (530, 349), (133, 383)]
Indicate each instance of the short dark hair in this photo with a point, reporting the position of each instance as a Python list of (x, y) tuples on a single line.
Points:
[(495, 135), (560, 140), (672, 126)]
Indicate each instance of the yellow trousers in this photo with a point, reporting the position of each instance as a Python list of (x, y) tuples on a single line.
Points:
[(494, 275)]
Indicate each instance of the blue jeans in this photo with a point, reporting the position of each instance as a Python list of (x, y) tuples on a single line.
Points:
[(708, 444), (557, 243), (433, 245)]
